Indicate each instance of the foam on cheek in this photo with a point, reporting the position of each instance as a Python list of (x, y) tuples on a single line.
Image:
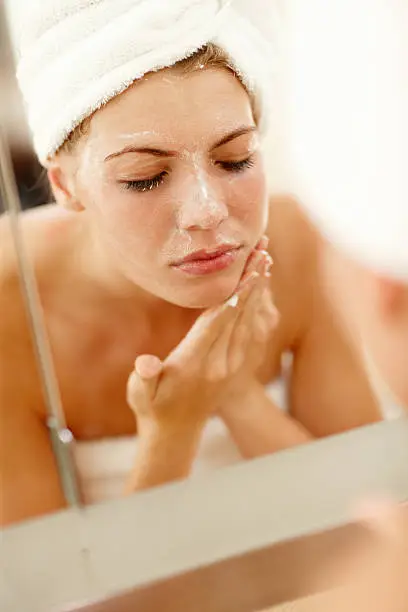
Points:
[(248, 192)]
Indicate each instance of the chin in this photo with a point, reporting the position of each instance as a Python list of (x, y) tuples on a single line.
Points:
[(210, 294)]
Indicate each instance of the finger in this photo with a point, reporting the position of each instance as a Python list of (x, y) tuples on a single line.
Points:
[(208, 327), (143, 381), (251, 264), (242, 332), (254, 264), (237, 351), (261, 246), (261, 262), (260, 310), (266, 318), (230, 348), (263, 243), (216, 364), (268, 262), (148, 367)]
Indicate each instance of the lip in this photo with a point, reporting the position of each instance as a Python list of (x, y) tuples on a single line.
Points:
[(207, 261)]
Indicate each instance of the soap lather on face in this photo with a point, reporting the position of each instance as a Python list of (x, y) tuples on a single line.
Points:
[(170, 168)]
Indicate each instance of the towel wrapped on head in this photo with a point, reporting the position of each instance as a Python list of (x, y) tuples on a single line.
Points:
[(73, 56), (349, 125)]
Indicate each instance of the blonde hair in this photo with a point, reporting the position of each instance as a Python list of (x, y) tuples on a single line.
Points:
[(209, 56)]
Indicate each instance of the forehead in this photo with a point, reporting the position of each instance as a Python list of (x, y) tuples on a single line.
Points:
[(185, 108)]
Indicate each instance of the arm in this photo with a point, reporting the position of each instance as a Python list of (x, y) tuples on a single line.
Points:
[(29, 480), (329, 390), (257, 426), (163, 457)]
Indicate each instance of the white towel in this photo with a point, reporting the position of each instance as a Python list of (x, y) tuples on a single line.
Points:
[(349, 122), (75, 55), (104, 465)]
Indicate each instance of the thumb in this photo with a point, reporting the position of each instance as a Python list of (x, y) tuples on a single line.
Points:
[(143, 382)]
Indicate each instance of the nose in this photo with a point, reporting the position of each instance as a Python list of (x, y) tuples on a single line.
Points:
[(202, 209)]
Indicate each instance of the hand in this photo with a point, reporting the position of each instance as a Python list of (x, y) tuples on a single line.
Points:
[(264, 316), (258, 324), (376, 579), (181, 392)]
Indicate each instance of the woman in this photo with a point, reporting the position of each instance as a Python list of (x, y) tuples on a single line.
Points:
[(161, 210)]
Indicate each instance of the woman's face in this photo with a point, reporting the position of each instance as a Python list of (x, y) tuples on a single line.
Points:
[(172, 182)]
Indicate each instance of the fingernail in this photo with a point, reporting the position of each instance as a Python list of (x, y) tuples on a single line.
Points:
[(258, 259), (261, 244), (233, 301), (267, 256), (251, 279)]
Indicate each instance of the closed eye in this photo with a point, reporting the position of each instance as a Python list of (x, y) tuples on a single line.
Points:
[(237, 166), (149, 184), (145, 184)]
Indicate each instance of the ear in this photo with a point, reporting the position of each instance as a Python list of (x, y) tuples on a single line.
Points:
[(62, 187)]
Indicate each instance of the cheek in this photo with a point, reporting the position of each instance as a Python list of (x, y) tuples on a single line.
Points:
[(130, 219), (248, 197)]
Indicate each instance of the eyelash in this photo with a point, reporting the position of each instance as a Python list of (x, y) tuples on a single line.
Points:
[(145, 184), (152, 183)]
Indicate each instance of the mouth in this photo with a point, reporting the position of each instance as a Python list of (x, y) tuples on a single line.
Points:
[(208, 261)]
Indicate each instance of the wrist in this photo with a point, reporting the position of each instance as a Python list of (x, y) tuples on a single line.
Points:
[(154, 432), (164, 436), (240, 398), (164, 454)]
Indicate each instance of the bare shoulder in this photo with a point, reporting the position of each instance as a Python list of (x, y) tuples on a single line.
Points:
[(20, 382), (293, 239), (39, 234), (42, 231), (19, 376)]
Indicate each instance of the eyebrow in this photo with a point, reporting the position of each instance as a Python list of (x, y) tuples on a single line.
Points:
[(245, 129)]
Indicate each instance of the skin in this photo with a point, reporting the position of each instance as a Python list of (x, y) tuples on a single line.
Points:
[(110, 295), (377, 319), (374, 313)]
